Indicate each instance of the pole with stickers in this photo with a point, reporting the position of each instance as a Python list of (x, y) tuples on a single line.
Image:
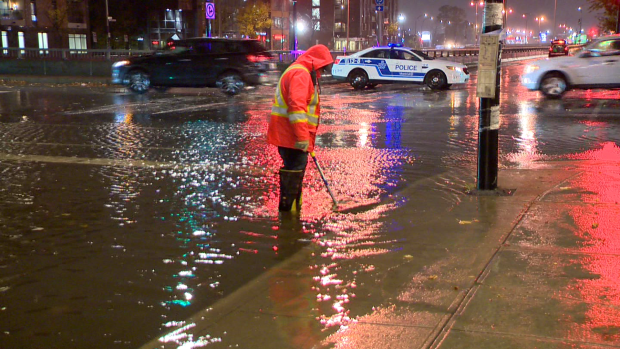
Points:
[(489, 76)]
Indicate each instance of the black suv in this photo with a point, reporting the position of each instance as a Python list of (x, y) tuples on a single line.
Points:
[(230, 64)]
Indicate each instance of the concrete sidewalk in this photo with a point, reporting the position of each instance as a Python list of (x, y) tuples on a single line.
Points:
[(537, 269)]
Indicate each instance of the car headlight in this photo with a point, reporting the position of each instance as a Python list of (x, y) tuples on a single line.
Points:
[(530, 68), (451, 67), (120, 64)]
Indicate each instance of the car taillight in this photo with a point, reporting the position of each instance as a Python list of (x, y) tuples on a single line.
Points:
[(257, 59), (465, 71), (337, 61), (566, 48), (550, 49)]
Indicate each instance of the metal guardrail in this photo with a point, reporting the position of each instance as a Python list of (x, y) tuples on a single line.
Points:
[(466, 55)]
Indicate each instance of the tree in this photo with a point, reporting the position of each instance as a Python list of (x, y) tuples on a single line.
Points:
[(224, 18), (253, 19), (392, 30), (58, 17), (453, 19), (609, 18)]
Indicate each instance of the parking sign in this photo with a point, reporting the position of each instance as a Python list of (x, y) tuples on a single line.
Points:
[(210, 9)]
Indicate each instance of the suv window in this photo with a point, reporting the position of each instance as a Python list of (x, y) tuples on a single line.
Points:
[(210, 47), (255, 46)]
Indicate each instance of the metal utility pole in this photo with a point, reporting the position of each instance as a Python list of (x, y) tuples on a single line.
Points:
[(294, 43), (380, 28), (489, 76), (348, 16), (555, 8), (107, 24)]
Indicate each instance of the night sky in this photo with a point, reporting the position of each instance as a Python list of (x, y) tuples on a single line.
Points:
[(566, 12)]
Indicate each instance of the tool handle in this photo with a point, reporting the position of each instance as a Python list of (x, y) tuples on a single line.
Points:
[(316, 162)]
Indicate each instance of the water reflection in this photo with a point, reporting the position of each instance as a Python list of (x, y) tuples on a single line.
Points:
[(599, 242)]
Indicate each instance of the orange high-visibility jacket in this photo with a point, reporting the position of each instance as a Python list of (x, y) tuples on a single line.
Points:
[(295, 110)]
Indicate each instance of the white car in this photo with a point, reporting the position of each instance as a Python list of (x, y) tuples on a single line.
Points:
[(596, 66), (390, 64)]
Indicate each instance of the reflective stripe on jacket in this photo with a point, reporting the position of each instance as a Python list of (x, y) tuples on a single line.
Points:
[(294, 120), (295, 111)]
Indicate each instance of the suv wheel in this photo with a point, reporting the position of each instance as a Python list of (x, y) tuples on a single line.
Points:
[(230, 83), (436, 80), (358, 79), (139, 81), (553, 85)]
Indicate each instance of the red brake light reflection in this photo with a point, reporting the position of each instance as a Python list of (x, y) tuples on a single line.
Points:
[(256, 59)]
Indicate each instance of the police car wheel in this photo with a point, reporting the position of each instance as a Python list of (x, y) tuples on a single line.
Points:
[(436, 80), (358, 79)]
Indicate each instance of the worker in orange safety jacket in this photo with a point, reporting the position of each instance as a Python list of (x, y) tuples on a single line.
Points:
[(294, 120)]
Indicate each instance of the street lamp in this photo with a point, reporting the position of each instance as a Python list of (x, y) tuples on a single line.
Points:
[(506, 13), (107, 24), (476, 4), (539, 19), (348, 16), (401, 20), (579, 9), (555, 7), (525, 15), (415, 26)]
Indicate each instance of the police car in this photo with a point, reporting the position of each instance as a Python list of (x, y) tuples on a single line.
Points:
[(394, 64)]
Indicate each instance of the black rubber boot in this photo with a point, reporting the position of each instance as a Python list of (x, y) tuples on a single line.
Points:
[(290, 190)]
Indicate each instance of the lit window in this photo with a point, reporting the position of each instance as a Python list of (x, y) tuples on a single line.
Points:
[(77, 42), (33, 11), (21, 41), (316, 3), (43, 43), (5, 42)]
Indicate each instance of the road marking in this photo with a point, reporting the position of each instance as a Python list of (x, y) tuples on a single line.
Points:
[(241, 170)]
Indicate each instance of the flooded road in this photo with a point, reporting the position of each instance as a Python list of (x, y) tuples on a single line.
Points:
[(121, 215)]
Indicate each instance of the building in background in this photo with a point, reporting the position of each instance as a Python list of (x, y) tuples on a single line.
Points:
[(295, 23), (44, 24), (326, 22)]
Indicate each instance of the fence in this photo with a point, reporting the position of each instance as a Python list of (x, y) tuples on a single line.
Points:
[(462, 55), (34, 61)]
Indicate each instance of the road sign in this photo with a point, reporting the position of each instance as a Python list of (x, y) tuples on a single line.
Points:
[(210, 9), (379, 2), (379, 8)]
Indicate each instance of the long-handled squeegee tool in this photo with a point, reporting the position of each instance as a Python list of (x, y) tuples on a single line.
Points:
[(316, 162)]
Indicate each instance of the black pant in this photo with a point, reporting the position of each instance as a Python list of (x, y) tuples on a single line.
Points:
[(294, 159)]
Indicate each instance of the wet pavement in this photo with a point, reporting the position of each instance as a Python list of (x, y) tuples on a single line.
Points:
[(127, 217)]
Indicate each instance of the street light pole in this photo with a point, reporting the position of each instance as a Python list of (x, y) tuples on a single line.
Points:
[(579, 32), (107, 23), (294, 25), (555, 7), (348, 16), (488, 129)]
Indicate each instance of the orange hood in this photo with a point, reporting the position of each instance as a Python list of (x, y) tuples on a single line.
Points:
[(315, 58)]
